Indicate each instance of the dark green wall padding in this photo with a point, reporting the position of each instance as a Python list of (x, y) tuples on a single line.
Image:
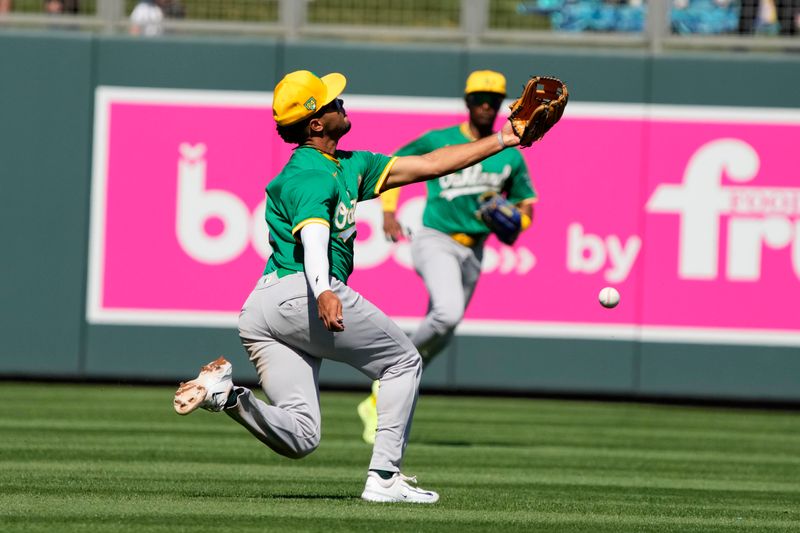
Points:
[(47, 83)]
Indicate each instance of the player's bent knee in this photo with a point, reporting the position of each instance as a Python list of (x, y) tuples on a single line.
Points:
[(413, 364), (299, 447), (303, 451), (415, 361), (311, 445), (409, 363)]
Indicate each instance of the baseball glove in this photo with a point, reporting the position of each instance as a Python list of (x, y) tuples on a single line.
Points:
[(500, 216), (538, 109)]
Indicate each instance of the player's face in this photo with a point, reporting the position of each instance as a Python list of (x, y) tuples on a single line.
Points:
[(335, 119), (483, 108)]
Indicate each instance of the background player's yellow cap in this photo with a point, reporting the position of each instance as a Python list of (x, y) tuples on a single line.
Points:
[(486, 81), (301, 93)]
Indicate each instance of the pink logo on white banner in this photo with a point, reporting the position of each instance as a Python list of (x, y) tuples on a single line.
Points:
[(698, 228)]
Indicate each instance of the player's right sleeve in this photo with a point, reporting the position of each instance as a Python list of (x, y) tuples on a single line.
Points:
[(373, 169), (309, 198)]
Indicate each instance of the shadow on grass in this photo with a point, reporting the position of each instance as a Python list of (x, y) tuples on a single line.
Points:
[(310, 497), (458, 443), (466, 444)]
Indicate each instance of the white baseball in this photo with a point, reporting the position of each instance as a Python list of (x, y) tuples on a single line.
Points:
[(609, 297)]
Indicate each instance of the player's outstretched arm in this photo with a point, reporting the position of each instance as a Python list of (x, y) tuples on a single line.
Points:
[(414, 168)]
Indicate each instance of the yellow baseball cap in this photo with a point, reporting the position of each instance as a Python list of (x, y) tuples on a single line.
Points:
[(301, 93), (486, 81)]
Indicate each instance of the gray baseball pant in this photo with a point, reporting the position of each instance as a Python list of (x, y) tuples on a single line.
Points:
[(450, 271), (286, 341)]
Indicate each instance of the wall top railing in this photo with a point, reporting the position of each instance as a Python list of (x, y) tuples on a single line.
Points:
[(654, 25)]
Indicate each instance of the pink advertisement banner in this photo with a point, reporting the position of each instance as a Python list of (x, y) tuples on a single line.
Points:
[(693, 214)]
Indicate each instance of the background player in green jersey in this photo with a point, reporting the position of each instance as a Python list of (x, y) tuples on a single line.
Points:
[(301, 310), (448, 250)]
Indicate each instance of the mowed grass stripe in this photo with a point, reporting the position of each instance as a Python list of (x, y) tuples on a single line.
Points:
[(294, 513), (102, 458), (162, 448), (566, 463), (342, 510), (50, 475)]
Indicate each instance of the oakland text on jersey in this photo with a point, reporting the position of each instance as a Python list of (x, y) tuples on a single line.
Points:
[(345, 216), (473, 180)]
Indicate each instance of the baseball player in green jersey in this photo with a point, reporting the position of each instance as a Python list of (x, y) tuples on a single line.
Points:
[(302, 311), (448, 250)]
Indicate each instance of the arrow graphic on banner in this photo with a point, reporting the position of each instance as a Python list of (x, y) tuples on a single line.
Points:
[(508, 260), (526, 260)]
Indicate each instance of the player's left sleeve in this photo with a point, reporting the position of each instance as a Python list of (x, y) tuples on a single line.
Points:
[(519, 188), (374, 169)]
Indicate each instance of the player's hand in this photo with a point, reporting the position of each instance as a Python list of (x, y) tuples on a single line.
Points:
[(330, 311), (509, 136), (391, 227)]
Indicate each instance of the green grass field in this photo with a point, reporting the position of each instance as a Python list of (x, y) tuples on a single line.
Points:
[(91, 458)]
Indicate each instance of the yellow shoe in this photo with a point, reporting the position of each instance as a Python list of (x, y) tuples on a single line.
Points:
[(369, 417)]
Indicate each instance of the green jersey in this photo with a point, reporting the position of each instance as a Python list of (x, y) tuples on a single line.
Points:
[(314, 187), (453, 199)]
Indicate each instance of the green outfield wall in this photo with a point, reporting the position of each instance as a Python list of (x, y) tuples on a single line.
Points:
[(47, 83)]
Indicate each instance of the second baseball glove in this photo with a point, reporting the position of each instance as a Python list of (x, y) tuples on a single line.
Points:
[(538, 109), (500, 216)]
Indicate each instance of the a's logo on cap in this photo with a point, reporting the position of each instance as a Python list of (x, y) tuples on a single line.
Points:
[(311, 104)]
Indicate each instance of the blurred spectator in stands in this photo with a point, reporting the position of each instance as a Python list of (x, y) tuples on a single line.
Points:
[(147, 19), (769, 16), (5, 6), (686, 16), (59, 7), (704, 16)]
